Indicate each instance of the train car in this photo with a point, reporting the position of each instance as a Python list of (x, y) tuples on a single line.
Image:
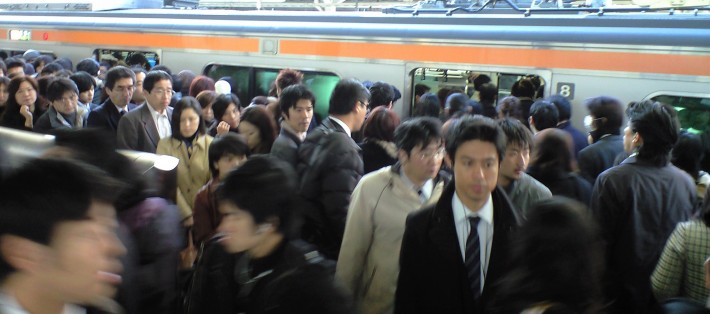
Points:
[(633, 56)]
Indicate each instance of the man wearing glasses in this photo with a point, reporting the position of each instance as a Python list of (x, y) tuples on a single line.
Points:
[(330, 166), (379, 208), (119, 86), (143, 128)]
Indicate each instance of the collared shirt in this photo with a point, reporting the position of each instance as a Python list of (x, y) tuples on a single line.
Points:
[(119, 109), (288, 128), (485, 229), (162, 121), (342, 124), (8, 305), (426, 189)]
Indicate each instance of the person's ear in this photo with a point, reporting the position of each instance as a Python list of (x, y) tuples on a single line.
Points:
[(22, 254)]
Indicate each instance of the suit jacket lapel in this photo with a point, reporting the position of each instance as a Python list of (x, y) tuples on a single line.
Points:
[(150, 128), (505, 220), (443, 231)]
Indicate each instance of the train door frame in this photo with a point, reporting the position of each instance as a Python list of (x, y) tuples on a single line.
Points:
[(411, 67)]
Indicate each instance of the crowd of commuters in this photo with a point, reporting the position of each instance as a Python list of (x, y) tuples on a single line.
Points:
[(472, 205)]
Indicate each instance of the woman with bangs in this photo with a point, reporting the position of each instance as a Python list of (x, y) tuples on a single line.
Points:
[(189, 143)]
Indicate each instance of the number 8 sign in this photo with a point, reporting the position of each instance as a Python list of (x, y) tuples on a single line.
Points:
[(566, 90)]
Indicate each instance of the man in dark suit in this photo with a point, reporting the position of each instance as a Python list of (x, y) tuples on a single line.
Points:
[(606, 114), (142, 129), (330, 167), (120, 84), (454, 252)]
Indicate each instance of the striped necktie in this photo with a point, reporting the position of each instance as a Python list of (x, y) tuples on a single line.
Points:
[(473, 257)]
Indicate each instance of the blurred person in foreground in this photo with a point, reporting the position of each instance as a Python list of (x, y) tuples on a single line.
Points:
[(558, 264), (274, 274), (69, 257)]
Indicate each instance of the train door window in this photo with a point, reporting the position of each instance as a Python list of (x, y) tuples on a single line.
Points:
[(693, 111), (449, 81), (147, 59), (11, 52), (250, 82)]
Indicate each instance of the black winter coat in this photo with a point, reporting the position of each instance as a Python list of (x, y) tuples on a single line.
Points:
[(432, 276), (637, 206), (330, 167)]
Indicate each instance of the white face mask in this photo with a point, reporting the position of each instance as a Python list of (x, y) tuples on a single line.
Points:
[(588, 123)]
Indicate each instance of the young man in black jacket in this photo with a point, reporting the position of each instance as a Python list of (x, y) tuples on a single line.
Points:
[(271, 273), (454, 252)]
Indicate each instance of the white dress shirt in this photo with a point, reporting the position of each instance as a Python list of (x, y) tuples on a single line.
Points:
[(162, 121), (426, 189), (8, 305), (342, 124), (485, 230)]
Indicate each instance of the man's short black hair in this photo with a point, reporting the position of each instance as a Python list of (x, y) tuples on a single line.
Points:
[(154, 77), (428, 106), (264, 186), (14, 63), (183, 104), (84, 82), (609, 114), (480, 80), (523, 88), (65, 63), (488, 92), (456, 103), (229, 143), (59, 86), (345, 96), (381, 94), (88, 65), (118, 73), (418, 131), (292, 94), (51, 69), (564, 107), (516, 133), (659, 128), (421, 89), (43, 193), (469, 128), (544, 114), (138, 59)]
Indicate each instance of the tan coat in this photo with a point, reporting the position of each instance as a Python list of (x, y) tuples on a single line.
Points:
[(192, 172), (368, 263)]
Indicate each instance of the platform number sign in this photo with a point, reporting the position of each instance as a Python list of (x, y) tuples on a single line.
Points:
[(566, 90)]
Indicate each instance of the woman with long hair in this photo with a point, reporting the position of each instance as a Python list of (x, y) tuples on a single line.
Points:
[(190, 144), (227, 111), (259, 128), (21, 110)]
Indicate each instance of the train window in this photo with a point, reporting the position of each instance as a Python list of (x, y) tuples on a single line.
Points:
[(463, 81), (250, 82), (119, 56), (11, 52), (693, 111)]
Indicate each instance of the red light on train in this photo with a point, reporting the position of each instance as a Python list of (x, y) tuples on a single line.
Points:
[(45, 36)]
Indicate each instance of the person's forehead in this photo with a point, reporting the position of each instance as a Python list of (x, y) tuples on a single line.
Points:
[(162, 83), (126, 81), (477, 149)]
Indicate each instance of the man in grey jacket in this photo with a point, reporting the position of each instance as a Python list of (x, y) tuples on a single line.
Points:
[(522, 189), (296, 104)]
